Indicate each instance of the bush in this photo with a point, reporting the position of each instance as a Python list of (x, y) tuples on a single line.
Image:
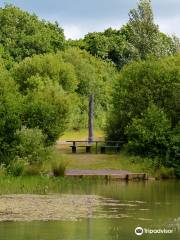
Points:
[(139, 84), (31, 145), (149, 135), (37, 71), (24, 35), (48, 109), (2, 170), (16, 167), (174, 146), (94, 77), (10, 115), (59, 168), (165, 173), (32, 170)]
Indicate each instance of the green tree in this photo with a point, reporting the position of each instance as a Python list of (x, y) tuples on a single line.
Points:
[(140, 83), (48, 109), (36, 71), (143, 32), (23, 34), (174, 148), (10, 114), (148, 135), (136, 40), (111, 45), (94, 77)]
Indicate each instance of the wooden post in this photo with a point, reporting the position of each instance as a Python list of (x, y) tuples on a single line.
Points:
[(91, 118)]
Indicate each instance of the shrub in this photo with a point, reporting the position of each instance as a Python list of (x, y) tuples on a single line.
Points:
[(149, 135), (165, 173), (2, 170), (31, 145), (24, 35), (32, 170), (10, 115), (16, 167), (48, 110), (174, 146), (36, 71), (59, 168), (139, 84)]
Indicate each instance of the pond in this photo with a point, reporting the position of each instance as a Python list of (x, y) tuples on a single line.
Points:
[(151, 205)]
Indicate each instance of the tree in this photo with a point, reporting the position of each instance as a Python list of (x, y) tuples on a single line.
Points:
[(47, 109), (36, 71), (94, 77), (10, 114), (149, 134), (139, 84), (112, 46), (23, 35), (143, 33)]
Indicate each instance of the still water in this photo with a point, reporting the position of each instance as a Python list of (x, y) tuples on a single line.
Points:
[(149, 205)]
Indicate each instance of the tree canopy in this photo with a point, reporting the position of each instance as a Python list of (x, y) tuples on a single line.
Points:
[(23, 35), (45, 83), (135, 40)]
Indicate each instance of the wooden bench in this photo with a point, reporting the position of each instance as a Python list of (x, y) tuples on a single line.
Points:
[(89, 145), (104, 148), (88, 148)]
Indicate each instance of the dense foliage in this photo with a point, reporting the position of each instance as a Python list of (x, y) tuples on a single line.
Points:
[(77, 72), (23, 35), (133, 41), (10, 113), (45, 83), (145, 109)]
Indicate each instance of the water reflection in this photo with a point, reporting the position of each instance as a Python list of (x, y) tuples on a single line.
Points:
[(124, 206)]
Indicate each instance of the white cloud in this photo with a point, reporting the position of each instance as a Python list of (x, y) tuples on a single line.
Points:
[(169, 25), (73, 31), (77, 30)]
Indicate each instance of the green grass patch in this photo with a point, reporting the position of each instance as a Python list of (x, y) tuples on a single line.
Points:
[(81, 135), (45, 184)]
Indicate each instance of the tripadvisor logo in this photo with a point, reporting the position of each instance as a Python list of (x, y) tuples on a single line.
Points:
[(139, 231)]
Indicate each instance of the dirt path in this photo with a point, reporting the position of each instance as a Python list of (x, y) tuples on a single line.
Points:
[(95, 172)]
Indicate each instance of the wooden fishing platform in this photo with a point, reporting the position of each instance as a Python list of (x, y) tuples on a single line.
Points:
[(107, 174)]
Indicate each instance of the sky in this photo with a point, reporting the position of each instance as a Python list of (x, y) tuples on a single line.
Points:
[(78, 17)]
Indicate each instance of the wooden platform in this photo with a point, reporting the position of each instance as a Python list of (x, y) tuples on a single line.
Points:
[(108, 174)]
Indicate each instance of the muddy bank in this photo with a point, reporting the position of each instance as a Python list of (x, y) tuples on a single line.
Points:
[(55, 207)]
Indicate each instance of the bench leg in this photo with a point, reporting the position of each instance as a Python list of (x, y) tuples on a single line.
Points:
[(118, 149), (88, 149), (73, 149), (103, 150)]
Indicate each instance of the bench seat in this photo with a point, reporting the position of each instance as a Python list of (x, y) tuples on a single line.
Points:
[(88, 148), (103, 148)]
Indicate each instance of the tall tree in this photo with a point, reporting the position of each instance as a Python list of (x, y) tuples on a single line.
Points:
[(143, 32)]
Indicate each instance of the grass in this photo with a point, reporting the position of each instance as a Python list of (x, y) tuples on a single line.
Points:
[(81, 135), (106, 161), (44, 185), (93, 161), (38, 181), (81, 160)]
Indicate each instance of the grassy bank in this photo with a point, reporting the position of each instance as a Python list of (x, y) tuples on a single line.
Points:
[(45, 184), (37, 178)]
